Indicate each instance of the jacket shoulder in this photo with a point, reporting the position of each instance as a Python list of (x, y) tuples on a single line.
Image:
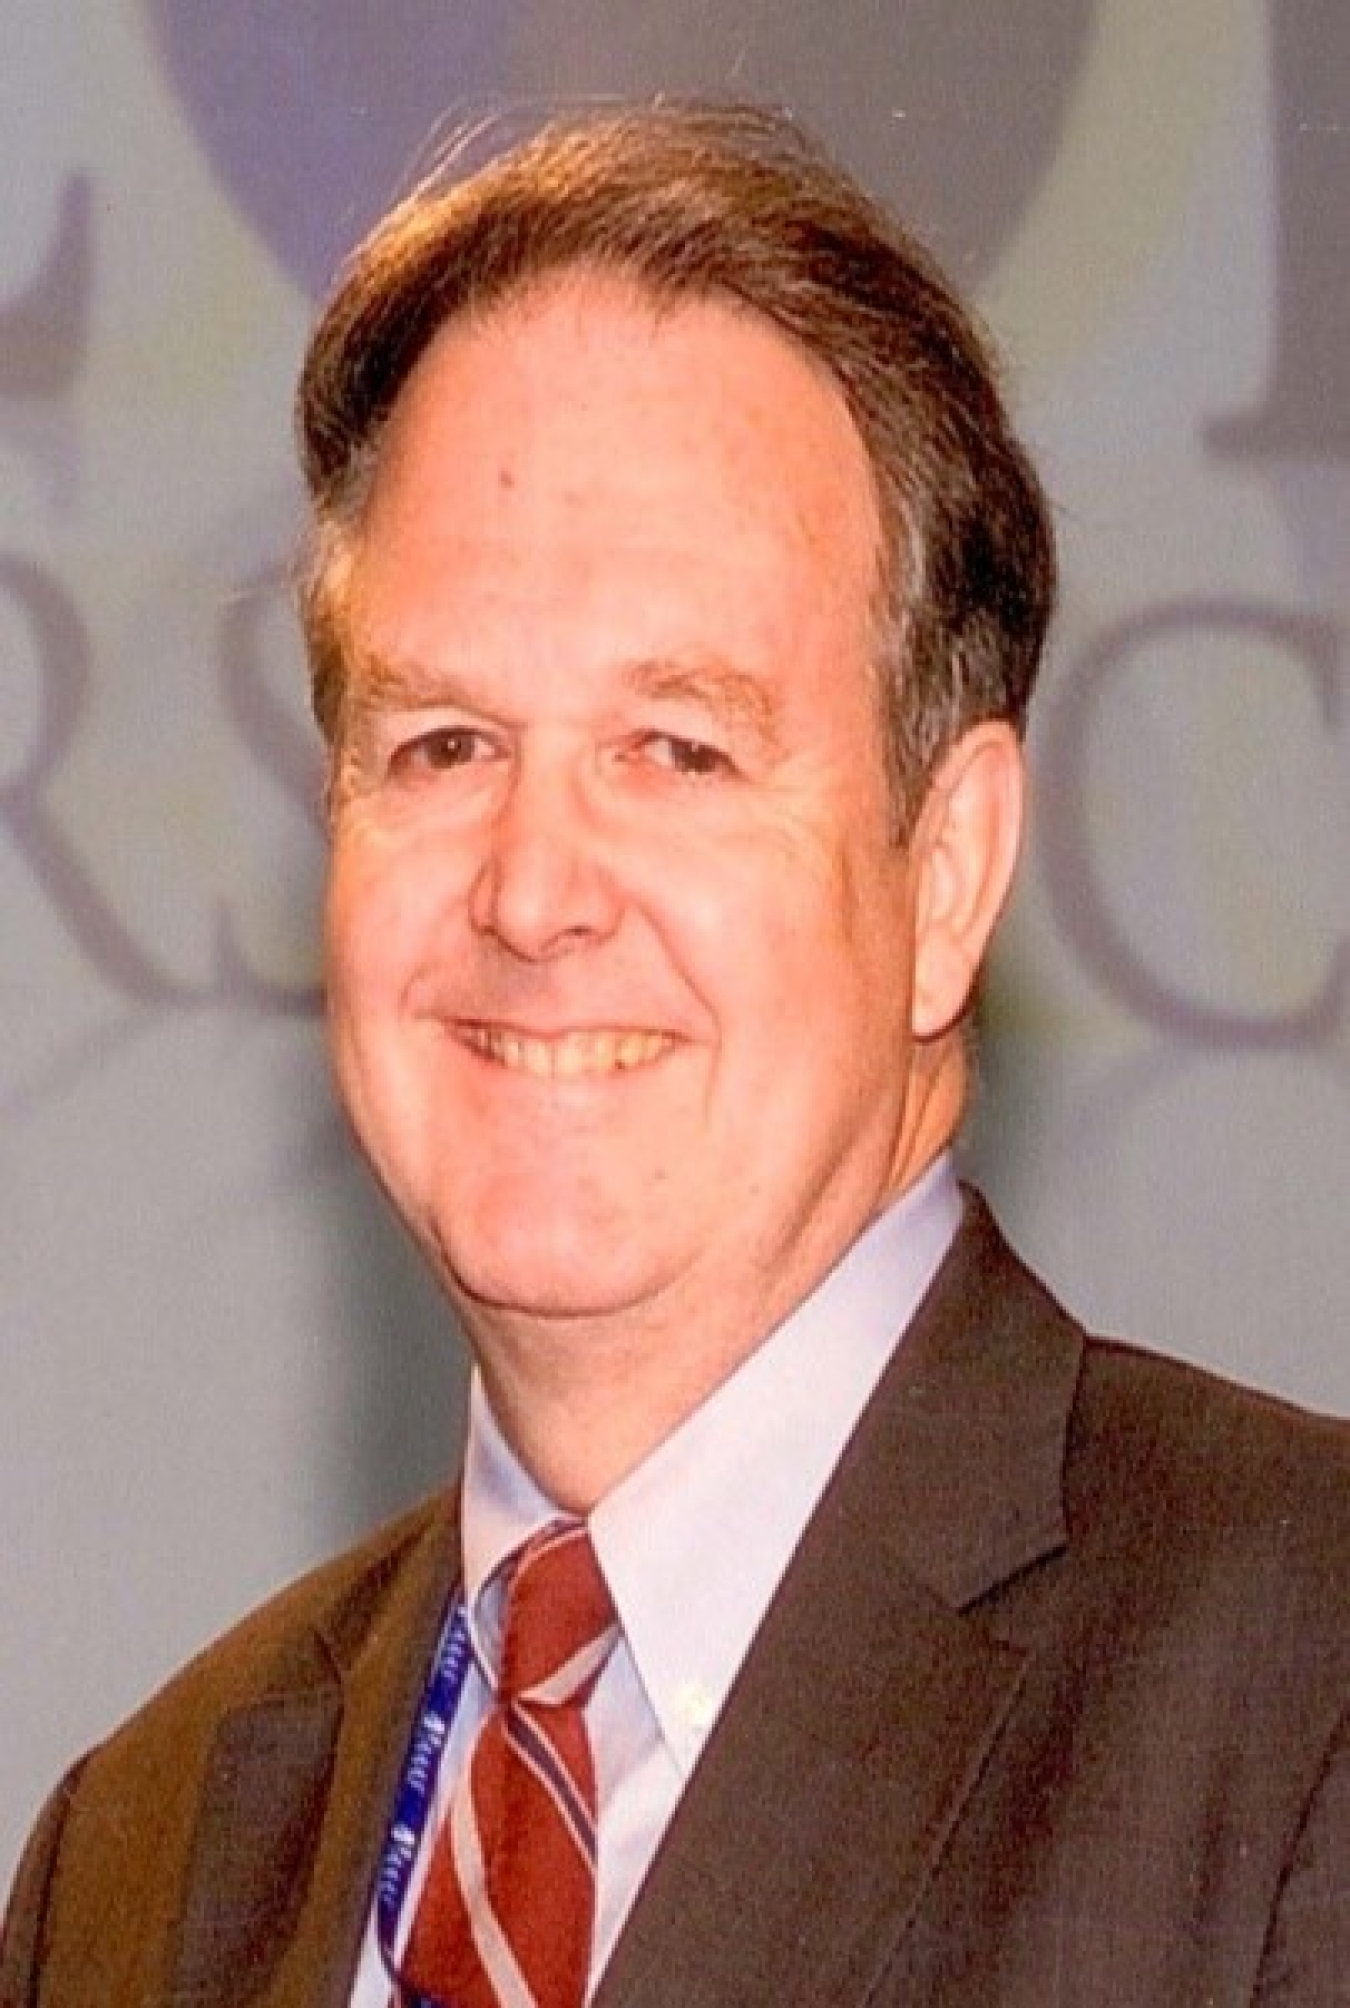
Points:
[(227, 1757), (1217, 1505), (1234, 1450), (300, 1639)]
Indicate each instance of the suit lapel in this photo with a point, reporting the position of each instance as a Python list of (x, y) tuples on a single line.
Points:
[(298, 1788), (878, 1683)]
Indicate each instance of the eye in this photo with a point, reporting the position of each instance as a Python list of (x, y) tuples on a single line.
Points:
[(445, 747), (694, 758)]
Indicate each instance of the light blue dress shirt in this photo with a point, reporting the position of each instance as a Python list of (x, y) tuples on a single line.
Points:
[(693, 1543)]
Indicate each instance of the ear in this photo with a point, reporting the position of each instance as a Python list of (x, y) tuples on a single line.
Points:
[(964, 849)]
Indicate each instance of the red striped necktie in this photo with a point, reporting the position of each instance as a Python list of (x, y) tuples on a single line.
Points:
[(508, 1908)]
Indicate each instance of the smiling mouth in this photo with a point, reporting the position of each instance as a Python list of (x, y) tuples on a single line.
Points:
[(568, 1056)]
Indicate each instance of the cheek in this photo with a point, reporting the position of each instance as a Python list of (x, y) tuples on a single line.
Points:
[(842, 976), (378, 908), (365, 977), (348, 937), (727, 926), (368, 962), (764, 936)]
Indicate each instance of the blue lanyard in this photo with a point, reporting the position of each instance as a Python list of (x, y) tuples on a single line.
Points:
[(417, 1788)]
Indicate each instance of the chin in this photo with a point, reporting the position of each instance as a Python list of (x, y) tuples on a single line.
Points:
[(543, 1282), (543, 1248)]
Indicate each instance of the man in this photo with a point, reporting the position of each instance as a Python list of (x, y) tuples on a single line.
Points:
[(675, 599)]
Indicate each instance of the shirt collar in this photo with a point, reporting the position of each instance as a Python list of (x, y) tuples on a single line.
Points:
[(694, 1542)]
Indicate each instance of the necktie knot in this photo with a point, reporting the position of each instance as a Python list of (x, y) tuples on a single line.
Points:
[(558, 1624)]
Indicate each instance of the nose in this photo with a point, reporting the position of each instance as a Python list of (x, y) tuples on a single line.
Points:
[(544, 886)]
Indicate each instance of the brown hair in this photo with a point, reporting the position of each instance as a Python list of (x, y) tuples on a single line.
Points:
[(690, 201)]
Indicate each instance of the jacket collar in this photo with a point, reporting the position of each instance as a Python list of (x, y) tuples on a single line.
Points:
[(970, 1428), (298, 1789), (880, 1680)]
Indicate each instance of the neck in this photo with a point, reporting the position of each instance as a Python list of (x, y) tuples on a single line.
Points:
[(581, 1408), (583, 1400)]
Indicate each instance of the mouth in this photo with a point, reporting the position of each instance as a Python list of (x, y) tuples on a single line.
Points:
[(565, 1056)]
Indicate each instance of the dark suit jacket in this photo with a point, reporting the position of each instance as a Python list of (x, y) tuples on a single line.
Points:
[(1051, 1708)]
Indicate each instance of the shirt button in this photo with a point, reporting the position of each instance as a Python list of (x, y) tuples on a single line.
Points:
[(695, 1705)]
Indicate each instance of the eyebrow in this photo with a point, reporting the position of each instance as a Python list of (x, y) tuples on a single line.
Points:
[(379, 682), (731, 695), (736, 698)]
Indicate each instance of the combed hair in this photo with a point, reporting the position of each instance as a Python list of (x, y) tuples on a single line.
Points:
[(735, 203)]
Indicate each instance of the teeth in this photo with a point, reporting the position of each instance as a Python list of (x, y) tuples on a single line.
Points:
[(570, 1056)]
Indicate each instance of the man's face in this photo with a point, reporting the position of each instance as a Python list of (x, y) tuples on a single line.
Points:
[(619, 949)]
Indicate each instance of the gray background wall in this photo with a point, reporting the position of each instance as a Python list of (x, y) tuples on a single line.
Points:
[(218, 1359)]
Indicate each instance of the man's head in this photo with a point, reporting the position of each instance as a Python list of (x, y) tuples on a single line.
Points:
[(640, 1008), (731, 203)]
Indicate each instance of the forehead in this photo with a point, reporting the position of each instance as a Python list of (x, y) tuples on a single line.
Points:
[(581, 449)]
